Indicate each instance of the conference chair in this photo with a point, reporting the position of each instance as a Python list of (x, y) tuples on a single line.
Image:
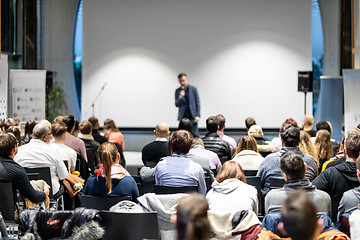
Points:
[(144, 187), (276, 183), (256, 182), (101, 203), (250, 172), (160, 189), (129, 226)]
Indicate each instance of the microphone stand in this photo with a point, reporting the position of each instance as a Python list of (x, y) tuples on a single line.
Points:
[(96, 98)]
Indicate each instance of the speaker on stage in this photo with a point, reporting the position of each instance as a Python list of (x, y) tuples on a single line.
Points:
[(305, 80)]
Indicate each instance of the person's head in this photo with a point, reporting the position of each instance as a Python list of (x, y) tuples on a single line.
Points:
[(182, 77), (94, 122), (358, 168), (186, 124), (290, 135), (12, 122), (323, 146), (290, 121), (108, 155), (59, 119), (212, 124), (58, 130), (69, 120), (221, 122), (299, 219), (231, 169), (29, 126), (180, 141), (292, 166), (16, 131), (197, 141), (308, 120), (110, 125), (162, 130), (324, 125), (352, 144), (191, 218), (256, 131), (305, 144), (2, 126), (249, 122), (42, 131), (8, 145), (85, 127), (247, 143)]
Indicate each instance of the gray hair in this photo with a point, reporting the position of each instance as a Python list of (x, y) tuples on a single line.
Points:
[(41, 130)]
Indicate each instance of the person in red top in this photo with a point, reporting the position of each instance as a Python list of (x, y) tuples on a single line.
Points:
[(112, 133)]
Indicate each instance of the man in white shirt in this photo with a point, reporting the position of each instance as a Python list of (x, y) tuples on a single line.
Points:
[(62, 151), (38, 153)]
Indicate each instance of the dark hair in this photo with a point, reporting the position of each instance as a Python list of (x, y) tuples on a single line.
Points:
[(231, 169), (221, 121), (85, 127), (94, 121), (358, 163), (180, 141), (290, 135), (212, 124), (182, 75), (298, 215), (247, 143), (107, 154), (249, 122), (11, 122), (186, 124), (293, 165), (192, 221), (7, 143), (16, 131), (29, 126), (352, 143), (69, 120), (358, 126), (323, 125), (58, 129), (59, 119), (109, 124)]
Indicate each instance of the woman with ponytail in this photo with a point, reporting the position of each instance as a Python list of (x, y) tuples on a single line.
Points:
[(111, 179)]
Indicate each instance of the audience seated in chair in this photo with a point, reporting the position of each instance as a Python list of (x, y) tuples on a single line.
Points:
[(178, 170), (232, 143), (323, 148), (264, 147), (154, 151), (12, 172), (91, 145), (307, 124), (326, 125), (230, 193), (276, 141), (95, 130), (293, 169), (270, 167), (247, 154), (38, 153), (306, 145), (111, 179), (62, 151), (112, 133)]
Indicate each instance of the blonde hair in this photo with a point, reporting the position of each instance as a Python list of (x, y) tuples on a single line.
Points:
[(305, 145), (323, 147), (108, 153)]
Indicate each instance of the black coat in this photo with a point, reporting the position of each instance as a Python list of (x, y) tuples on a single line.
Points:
[(214, 143)]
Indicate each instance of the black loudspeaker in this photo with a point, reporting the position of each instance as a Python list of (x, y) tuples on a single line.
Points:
[(305, 80)]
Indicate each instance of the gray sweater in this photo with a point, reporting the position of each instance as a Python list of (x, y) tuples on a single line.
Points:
[(349, 202)]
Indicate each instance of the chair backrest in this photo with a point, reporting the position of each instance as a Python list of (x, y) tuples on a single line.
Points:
[(150, 164), (256, 182), (45, 175), (33, 176), (91, 159), (208, 183), (144, 187), (160, 189), (101, 203), (7, 204), (250, 172), (130, 226), (276, 183)]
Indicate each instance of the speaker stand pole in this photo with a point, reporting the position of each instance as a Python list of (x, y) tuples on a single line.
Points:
[(305, 102)]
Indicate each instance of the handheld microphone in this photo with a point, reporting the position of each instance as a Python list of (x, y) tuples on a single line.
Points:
[(182, 88)]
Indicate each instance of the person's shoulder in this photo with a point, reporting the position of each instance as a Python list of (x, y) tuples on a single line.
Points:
[(275, 193)]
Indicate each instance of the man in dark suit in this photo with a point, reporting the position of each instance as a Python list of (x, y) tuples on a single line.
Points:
[(152, 152), (188, 101)]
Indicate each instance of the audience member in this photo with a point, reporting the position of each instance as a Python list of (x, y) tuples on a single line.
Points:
[(178, 170), (29, 126), (339, 157), (264, 147), (191, 218), (16, 132), (276, 141), (186, 124), (38, 153), (323, 148), (270, 167), (112, 133), (198, 149), (62, 151), (12, 122), (213, 142), (159, 148), (342, 177), (293, 169), (85, 128), (326, 125), (307, 125), (305, 145), (249, 122), (111, 179), (230, 193), (247, 154), (12, 172), (2, 126), (71, 141), (95, 130), (75, 133), (59, 119), (232, 143)]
